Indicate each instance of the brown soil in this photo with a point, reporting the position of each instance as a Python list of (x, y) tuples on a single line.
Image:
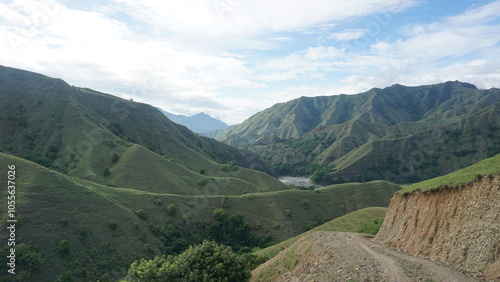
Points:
[(456, 225), (339, 256)]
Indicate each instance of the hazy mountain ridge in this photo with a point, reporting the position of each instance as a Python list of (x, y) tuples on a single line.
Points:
[(380, 134), (200, 123)]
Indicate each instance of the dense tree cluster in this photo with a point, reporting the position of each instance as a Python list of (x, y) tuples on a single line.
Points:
[(208, 261)]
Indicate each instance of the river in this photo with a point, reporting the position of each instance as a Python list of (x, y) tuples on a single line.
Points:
[(298, 181)]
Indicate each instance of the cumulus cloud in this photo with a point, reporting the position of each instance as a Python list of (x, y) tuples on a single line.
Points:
[(232, 58)]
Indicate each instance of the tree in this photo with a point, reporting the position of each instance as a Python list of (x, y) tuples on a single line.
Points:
[(208, 261), (115, 158), (112, 224), (171, 209), (225, 202)]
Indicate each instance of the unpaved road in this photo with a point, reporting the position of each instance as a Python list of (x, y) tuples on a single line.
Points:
[(340, 256)]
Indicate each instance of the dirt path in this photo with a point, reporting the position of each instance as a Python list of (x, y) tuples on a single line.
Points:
[(339, 256)]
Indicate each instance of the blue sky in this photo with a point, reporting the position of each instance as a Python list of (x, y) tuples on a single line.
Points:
[(233, 58)]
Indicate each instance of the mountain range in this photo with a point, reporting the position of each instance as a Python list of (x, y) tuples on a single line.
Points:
[(102, 182), (199, 123), (399, 133)]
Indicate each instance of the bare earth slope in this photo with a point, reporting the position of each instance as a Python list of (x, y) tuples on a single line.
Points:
[(342, 256), (459, 225)]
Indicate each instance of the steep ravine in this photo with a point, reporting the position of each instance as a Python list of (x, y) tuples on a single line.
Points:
[(455, 225)]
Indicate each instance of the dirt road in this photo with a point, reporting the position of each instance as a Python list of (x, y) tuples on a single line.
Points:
[(339, 256)]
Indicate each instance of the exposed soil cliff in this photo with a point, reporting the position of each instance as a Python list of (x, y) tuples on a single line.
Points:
[(455, 225)]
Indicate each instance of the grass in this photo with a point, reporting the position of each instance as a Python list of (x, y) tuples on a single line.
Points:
[(462, 176), (345, 223), (56, 207)]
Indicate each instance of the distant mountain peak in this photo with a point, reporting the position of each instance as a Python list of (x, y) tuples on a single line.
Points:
[(199, 123)]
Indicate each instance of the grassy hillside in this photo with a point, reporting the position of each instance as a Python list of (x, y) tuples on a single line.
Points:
[(266, 212), (52, 208), (346, 223), (111, 141), (462, 176), (103, 181), (401, 134)]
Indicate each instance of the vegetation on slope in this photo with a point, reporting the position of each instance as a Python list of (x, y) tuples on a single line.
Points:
[(350, 222), (83, 230), (101, 138), (401, 134), (462, 176)]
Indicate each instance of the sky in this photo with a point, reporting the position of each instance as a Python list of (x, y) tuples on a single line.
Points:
[(234, 58)]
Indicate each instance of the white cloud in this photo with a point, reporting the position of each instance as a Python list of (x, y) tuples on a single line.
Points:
[(232, 58), (245, 17), (348, 35)]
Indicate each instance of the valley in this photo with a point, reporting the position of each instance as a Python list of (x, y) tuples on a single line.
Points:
[(110, 189)]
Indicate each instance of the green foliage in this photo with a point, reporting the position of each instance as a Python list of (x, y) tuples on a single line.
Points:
[(225, 202), (231, 230), (290, 260), (83, 232), (203, 182), (141, 214), (28, 258), (106, 172), (171, 209), (63, 247), (174, 238), (201, 171), (305, 204), (462, 176), (347, 223), (288, 213), (208, 261), (372, 227), (319, 177), (64, 222), (231, 166), (112, 224), (115, 158)]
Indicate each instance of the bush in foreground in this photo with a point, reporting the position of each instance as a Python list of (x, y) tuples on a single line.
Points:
[(208, 261)]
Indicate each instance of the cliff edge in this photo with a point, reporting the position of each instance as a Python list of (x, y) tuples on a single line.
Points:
[(456, 225)]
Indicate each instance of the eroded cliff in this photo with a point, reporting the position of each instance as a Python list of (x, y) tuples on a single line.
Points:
[(456, 225)]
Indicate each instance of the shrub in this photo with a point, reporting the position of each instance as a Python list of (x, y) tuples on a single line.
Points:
[(63, 247), (106, 172), (208, 261), (370, 227), (112, 224), (115, 158), (171, 209), (203, 182), (288, 213), (83, 231), (64, 222), (141, 214), (305, 204), (225, 202)]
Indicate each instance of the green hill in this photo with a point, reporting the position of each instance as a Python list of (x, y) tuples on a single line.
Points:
[(401, 134), (52, 208), (91, 135), (102, 181), (485, 167)]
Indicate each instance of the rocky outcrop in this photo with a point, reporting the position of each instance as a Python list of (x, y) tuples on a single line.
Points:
[(456, 225)]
